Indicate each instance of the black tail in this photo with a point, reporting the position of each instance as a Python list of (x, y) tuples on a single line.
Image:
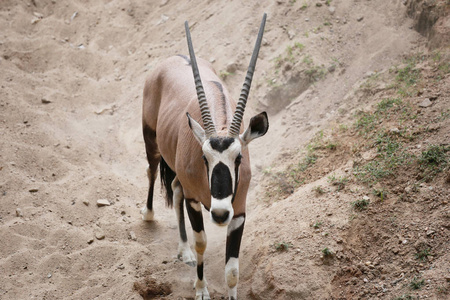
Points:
[(167, 176)]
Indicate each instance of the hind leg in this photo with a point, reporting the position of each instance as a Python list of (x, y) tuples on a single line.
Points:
[(184, 250), (153, 158)]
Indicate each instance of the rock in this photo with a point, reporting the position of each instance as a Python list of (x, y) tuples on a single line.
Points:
[(318, 4), (19, 212), (99, 235), (332, 10), (49, 275), (430, 232), (45, 101), (232, 67), (163, 19), (291, 34), (90, 241), (33, 190), (163, 3), (365, 197), (425, 103), (359, 19), (394, 130), (103, 202), (86, 202), (133, 236)]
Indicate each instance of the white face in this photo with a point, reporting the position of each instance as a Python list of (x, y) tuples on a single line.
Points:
[(222, 158)]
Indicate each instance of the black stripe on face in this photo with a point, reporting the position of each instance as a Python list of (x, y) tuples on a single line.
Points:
[(221, 182), (221, 144)]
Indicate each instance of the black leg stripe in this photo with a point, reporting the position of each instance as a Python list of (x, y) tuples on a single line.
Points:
[(195, 217), (182, 226), (200, 271), (234, 240)]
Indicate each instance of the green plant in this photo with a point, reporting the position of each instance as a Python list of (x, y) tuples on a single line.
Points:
[(304, 6), (339, 182), (360, 204), (417, 283), (380, 193), (282, 246), (224, 74), (433, 160), (404, 297), (319, 190), (327, 252), (317, 224), (423, 254)]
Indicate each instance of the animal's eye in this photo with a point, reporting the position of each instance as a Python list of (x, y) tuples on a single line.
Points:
[(204, 158), (238, 159)]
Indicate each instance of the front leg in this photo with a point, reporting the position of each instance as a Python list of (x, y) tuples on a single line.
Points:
[(234, 236), (194, 210)]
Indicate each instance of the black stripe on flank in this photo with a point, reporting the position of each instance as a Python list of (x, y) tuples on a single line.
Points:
[(221, 182), (188, 61), (220, 144), (234, 240)]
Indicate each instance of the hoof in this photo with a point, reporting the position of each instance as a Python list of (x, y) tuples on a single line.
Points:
[(185, 255), (201, 293), (147, 215)]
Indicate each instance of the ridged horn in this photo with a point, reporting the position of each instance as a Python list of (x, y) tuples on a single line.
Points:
[(240, 107), (208, 123)]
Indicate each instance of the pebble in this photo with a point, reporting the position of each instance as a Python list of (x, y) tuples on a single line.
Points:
[(99, 235), (133, 236), (90, 241), (359, 19), (425, 103), (19, 212), (86, 202), (45, 101), (366, 198), (332, 10), (103, 202), (33, 190)]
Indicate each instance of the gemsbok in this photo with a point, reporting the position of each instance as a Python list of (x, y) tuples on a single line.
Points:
[(206, 165)]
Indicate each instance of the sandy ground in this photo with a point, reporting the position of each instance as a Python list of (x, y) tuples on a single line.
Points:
[(72, 75)]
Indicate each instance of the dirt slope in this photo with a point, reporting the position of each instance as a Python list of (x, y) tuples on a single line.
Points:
[(70, 97)]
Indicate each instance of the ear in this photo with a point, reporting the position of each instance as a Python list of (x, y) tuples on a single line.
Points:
[(259, 125), (197, 130)]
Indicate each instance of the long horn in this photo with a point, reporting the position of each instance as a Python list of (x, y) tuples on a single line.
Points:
[(240, 108), (208, 123)]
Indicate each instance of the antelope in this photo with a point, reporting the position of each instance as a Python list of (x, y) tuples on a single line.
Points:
[(207, 165)]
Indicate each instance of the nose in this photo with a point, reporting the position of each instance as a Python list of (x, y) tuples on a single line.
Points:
[(220, 215)]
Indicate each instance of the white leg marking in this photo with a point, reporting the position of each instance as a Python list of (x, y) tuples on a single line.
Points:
[(201, 291), (235, 224), (232, 276), (147, 215)]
